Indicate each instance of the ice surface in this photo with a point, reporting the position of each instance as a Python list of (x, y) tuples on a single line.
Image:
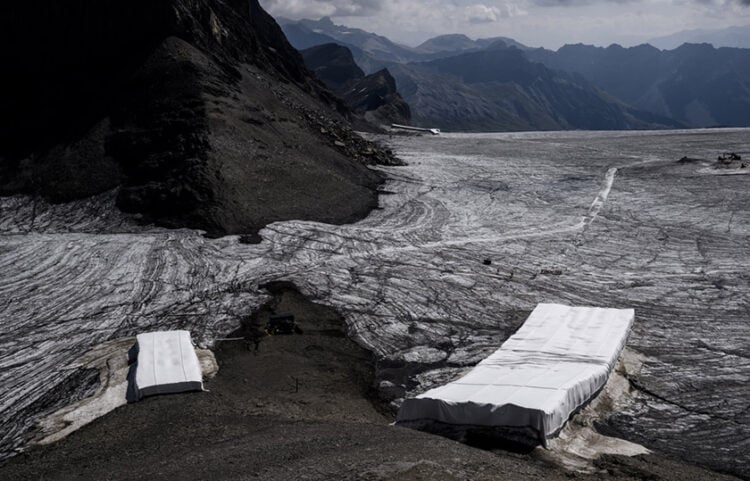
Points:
[(577, 218), (549, 368)]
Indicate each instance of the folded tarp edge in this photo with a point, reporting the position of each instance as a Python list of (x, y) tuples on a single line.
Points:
[(554, 364)]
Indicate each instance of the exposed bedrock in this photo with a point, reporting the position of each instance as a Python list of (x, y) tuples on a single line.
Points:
[(199, 110)]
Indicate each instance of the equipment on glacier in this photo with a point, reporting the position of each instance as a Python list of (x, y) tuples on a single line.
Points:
[(166, 363), (415, 129), (282, 324), (526, 390), (728, 157), (731, 160)]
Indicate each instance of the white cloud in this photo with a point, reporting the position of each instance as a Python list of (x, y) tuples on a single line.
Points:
[(548, 23), (482, 14), (321, 8)]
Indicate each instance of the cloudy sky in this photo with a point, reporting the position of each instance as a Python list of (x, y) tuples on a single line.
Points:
[(547, 23)]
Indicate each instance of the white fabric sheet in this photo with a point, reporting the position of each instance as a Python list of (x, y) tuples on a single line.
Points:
[(167, 363), (556, 362)]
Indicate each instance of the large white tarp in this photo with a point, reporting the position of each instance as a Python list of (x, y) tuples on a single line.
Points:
[(167, 363), (557, 361)]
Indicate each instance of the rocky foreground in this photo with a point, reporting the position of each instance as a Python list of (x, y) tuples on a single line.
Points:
[(294, 407)]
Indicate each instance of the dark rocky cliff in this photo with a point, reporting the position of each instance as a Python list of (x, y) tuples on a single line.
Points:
[(199, 110), (374, 96), (377, 97), (334, 65)]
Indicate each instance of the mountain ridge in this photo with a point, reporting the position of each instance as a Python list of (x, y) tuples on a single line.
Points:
[(500, 89), (445, 99), (696, 84), (735, 36)]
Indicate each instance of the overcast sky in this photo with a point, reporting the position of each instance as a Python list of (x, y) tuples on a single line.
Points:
[(547, 23)]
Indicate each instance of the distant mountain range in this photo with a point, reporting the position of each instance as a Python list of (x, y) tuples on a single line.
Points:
[(737, 37), (454, 43), (696, 84), (456, 83), (309, 33), (500, 89)]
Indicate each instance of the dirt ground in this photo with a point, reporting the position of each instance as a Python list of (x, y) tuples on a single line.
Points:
[(291, 407)]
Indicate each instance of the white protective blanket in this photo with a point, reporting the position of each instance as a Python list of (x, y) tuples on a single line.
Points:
[(557, 361), (167, 363)]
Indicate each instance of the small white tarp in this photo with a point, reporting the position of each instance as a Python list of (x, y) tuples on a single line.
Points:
[(167, 363), (556, 362)]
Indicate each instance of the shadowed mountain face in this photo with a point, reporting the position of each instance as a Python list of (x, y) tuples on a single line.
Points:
[(698, 85), (375, 96), (199, 111), (334, 65)]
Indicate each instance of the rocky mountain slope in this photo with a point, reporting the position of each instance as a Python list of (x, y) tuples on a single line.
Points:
[(698, 85), (200, 112), (375, 96)]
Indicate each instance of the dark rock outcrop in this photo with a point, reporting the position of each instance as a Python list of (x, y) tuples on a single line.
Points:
[(334, 65), (200, 111), (374, 96), (377, 97)]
